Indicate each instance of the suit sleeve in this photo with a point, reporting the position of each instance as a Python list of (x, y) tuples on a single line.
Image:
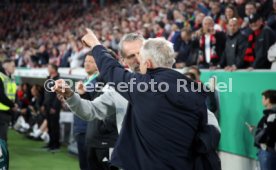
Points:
[(3, 98)]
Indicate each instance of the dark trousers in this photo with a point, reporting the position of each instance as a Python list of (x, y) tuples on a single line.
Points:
[(95, 158), (5, 119), (80, 138), (4, 126), (53, 130)]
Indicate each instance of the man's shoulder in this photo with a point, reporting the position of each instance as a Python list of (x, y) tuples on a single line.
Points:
[(268, 30), (241, 37)]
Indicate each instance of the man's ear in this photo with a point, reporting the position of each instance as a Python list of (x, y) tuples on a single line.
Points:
[(268, 100), (122, 61), (149, 64)]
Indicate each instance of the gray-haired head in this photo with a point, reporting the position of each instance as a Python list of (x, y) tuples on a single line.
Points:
[(160, 51), (129, 38), (208, 18)]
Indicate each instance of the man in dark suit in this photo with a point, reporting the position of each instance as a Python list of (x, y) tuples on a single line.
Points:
[(161, 123), (51, 107)]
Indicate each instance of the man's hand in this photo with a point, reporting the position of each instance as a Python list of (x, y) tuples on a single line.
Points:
[(61, 88), (89, 39), (251, 128), (52, 111), (60, 98), (233, 68), (230, 68), (42, 109), (24, 111), (180, 65), (213, 67), (80, 88), (250, 69), (15, 108)]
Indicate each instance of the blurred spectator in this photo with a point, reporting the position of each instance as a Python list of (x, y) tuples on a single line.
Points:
[(235, 46), (55, 57), (23, 115), (159, 29), (195, 70), (178, 18), (29, 118), (240, 4), (39, 123), (272, 56), (190, 75), (259, 41), (211, 43), (231, 12), (265, 8), (216, 12), (212, 100), (250, 9), (36, 104), (43, 56), (77, 55), (175, 34), (198, 21), (65, 55), (7, 96), (186, 50), (265, 138), (42, 30), (271, 21), (51, 107)]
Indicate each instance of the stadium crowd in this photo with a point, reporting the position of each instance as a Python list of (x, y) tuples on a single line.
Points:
[(231, 34)]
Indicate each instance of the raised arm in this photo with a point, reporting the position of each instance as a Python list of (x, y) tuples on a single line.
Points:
[(110, 69), (99, 108)]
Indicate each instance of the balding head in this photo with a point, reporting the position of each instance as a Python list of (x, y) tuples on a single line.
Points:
[(233, 26)]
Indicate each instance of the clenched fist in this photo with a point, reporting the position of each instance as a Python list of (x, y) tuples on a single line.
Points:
[(62, 89), (80, 88)]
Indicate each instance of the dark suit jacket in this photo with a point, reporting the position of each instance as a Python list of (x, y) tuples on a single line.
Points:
[(159, 127)]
